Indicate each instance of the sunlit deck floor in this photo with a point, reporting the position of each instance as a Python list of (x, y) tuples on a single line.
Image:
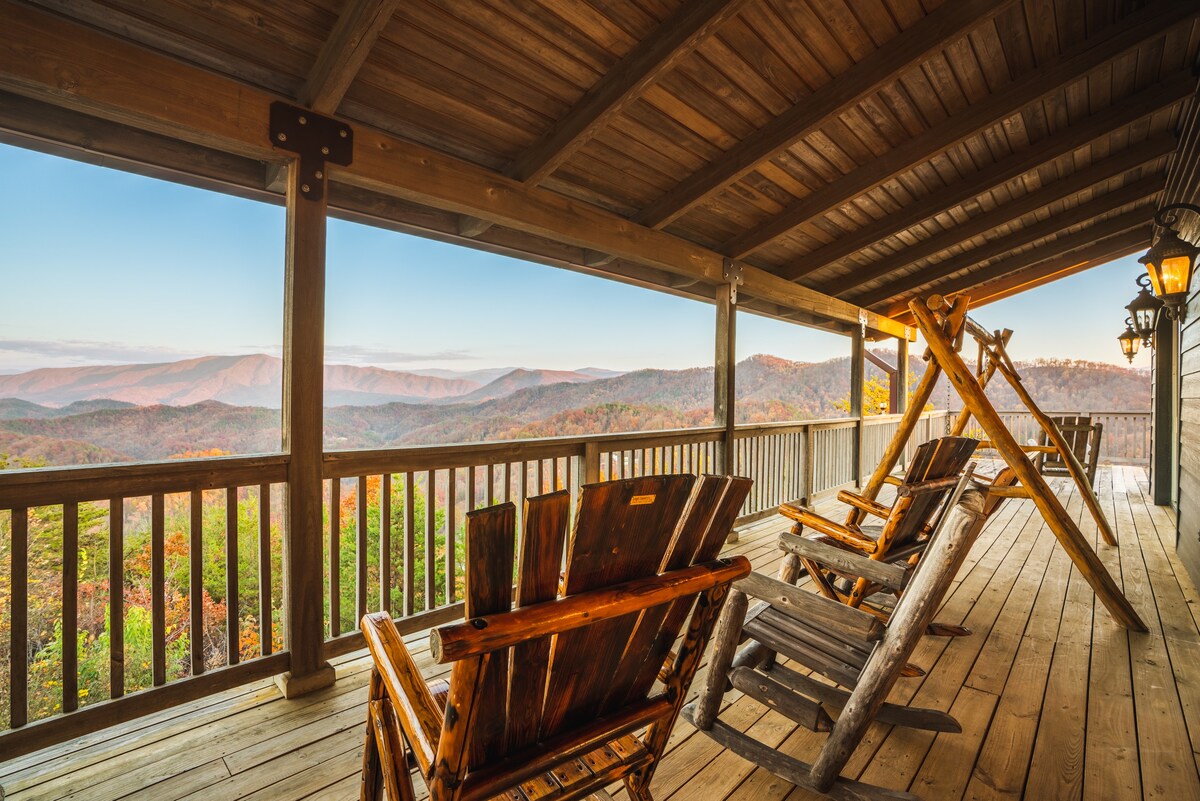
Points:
[(1056, 701)]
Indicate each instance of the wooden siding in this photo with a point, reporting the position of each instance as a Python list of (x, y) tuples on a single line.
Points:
[(1056, 700)]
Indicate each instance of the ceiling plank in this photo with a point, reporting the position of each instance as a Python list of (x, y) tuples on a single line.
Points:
[(1146, 188), (1163, 95), (1101, 171), (1067, 247), (124, 83), (927, 36), (1148, 24), (641, 67), (344, 52), (1116, 247)]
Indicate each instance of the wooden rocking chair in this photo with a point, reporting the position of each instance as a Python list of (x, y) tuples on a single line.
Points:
[(1082, 436), (934, 471), (544, 699), (851, 647)]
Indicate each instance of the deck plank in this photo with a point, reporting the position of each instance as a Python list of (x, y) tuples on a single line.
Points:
[(1057, 701)]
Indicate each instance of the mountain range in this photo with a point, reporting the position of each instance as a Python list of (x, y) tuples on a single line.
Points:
[(60, 417)]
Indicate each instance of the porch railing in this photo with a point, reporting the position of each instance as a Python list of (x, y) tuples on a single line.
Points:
[(393, 540)]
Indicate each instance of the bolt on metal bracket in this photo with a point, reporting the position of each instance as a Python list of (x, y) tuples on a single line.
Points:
[(315, 140)]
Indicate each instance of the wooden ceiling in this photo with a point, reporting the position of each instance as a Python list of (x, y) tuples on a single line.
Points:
[(866, 151)]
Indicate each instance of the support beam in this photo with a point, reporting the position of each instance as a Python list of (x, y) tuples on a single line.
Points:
[(1129, 33), (858, 373), (641, 67), (1023, 237), (926, 37), (1139, 155), (1099, 125), (724, 375), (344, 52), (127, 84), (900, 396), (1054, 260), (303, 409), (1056, 517), (1165, 432)]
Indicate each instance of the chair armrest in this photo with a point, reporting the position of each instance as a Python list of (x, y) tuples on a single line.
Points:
[(859, 502), (419, 713), (885, 573), (824, 525)]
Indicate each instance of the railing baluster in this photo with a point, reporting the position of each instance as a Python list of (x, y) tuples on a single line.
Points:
[(451, 499), (70, 608), (116, 597), (385, 543), (507, 482), (541, 477), (158, 581), (471, 488), (361, 578), (335, 557), (195, 579), (265, 621), (232, 617), (430, 540), (18, 699), (491, 485), (410, 544)]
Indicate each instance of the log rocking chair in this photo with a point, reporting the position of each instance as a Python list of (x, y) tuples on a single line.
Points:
[(544, 699), (856, 650), (825, 550)]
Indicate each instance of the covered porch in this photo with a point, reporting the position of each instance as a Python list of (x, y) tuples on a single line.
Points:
[(819, 163), (1056, 700)]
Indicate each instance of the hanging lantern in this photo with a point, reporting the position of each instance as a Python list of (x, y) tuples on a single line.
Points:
[(1144, 310), (1170, 261), (1129, 340)]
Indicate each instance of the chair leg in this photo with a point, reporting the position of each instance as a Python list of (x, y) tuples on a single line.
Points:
[(369, 789), (637, 791)]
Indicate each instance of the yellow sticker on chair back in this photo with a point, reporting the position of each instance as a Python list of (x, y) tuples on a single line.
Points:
[(641, 500)]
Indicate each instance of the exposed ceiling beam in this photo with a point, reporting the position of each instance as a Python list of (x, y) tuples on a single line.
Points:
[(344, 52), (930, 34), (1074, 245), (1068, 264), (124, 83), (1054, 223), (1107, 121), (641, 67), (1148, 24)]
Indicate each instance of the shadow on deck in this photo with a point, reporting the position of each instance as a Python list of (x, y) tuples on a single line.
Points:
[(1056, 701)]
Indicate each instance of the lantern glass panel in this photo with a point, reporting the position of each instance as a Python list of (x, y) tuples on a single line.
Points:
[(1174, 275)]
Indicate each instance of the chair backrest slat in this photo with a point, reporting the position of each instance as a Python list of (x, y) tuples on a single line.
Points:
[(622, 532), (491, 534), (939, 458), (537, 581)]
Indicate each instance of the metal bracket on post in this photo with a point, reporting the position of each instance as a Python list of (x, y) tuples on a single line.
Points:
[(732, 272), (315, 140)]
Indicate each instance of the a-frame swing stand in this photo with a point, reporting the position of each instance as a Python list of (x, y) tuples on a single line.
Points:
[(944, 326)]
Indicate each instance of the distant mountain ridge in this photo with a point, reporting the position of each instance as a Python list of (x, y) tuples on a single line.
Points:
[(256, 380), (768, 388)]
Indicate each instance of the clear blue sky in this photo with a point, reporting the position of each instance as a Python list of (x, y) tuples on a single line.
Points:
[(104, 267)]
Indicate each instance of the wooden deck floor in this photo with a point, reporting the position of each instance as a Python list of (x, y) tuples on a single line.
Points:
[(1056, 701)]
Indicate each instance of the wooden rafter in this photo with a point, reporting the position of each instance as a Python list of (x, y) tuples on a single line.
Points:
[(127, 84), (343, 54), (1097, 126), (644, 65), (930, 34), (1095, 255), (1094, 245), (1148, 24), (1128, 159), (1022, 237)]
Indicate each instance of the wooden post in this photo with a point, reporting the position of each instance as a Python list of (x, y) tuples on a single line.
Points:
[(858, 377), (1165, 439), (1056, 516), (724, 369), (899, 395), (303, 395)]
